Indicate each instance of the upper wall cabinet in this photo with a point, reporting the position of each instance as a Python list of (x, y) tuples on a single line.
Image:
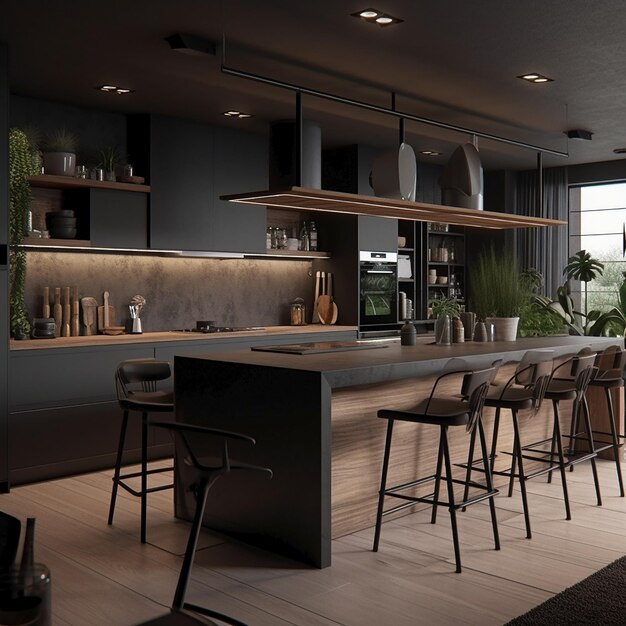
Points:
[(190, 165)]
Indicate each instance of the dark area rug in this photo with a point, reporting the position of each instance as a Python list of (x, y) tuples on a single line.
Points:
[(599, 599)]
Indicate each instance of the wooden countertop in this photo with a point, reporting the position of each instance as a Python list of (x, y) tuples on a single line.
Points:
[(165, 336)]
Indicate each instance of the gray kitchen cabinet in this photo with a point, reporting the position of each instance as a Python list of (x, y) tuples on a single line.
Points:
[(378, 234), (190, 165), (118, 219)]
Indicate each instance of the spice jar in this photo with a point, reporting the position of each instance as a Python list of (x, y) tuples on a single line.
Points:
[(298, 312)]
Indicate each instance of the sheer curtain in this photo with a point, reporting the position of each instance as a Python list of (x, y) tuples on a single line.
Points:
[(545, 249)]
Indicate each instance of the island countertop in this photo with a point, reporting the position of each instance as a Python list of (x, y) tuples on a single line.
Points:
[(314, 417)]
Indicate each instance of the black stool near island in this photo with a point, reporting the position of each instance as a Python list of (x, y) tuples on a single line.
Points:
[(136, 384), (444, 412), (207, 451)]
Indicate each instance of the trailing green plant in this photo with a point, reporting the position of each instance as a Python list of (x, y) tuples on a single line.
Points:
[(496, 288), (582, 266), (446, 306), (60, 140), (20, 168), (536, 320)]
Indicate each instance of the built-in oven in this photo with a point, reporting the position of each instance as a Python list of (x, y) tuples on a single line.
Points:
[(378, 287)]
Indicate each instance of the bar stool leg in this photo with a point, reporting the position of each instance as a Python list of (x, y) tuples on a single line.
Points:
[(433, 515), (452, 508), (470, 461), (144, 474), (494, 438), (522, 477), (616, 452), (594, 468), (118, 466), (559, 446), (383, 485), (489, 482), (553, 446), (512, 473)]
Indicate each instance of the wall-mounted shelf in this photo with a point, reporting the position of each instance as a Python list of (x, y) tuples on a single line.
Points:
[(67, 182)]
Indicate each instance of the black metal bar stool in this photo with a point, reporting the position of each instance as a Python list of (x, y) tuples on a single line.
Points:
[(443, 412), (136, 383), (570, 381), (522, 391), (207, 450), (610, 363)]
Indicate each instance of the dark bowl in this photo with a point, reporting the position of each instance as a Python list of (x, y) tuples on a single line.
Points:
[(64, 213), (63, 233), (62, 222)]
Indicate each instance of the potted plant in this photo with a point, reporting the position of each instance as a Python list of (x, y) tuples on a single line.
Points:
[(20, 168), (497, 292), (444, 310), (582, 266), (59, 152), (109, 158)]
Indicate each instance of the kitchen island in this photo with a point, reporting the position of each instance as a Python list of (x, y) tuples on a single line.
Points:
[(314, 419)]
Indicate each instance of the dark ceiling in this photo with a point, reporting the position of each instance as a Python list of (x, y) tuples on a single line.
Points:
[(452, 60)]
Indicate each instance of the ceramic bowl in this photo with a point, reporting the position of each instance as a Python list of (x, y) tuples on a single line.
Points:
[(432, 280), (442, 280), (401, 242)]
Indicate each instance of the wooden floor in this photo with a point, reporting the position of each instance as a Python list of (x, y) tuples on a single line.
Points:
[(103, 576)]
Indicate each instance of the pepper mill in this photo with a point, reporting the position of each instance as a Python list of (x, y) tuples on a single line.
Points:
[(459, 332)]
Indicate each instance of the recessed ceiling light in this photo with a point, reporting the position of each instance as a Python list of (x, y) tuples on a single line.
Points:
[(430, 152), (620, 150), (578, 133), (535, 77), (114, 89), (238, 114), (374, 16)]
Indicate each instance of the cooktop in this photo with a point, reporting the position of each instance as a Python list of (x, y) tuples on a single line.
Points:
[(217, 329), (319, 347)]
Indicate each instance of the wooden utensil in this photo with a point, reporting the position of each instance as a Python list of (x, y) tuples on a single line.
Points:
[(75, 319), (325, 309), (66, 312), (58, 312), (315, 317), (46, 302), (114, 330), (335, 310), (106, 314), (89, 306)]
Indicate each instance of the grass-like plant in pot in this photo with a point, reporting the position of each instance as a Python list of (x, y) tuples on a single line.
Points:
[(59, 152), (497, 293), (444, 310), (110, 157)]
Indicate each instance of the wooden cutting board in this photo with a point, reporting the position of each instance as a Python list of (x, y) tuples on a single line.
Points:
[(106, 314), (90, 310), (327, 310)]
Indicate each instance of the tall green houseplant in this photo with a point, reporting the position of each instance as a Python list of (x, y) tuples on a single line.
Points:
[(20, 168)]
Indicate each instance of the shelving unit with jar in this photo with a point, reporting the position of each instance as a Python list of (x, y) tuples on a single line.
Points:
[(445, 263)]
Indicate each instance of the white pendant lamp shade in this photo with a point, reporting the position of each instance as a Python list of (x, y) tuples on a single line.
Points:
[(394, 174)]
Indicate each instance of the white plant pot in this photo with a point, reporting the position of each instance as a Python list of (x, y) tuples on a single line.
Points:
[(505, 327), (59, 163)]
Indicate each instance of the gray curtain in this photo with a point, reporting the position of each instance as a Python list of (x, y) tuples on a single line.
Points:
[(546, 248)]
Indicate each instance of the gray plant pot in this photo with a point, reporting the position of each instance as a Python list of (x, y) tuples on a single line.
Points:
[(59, 163)]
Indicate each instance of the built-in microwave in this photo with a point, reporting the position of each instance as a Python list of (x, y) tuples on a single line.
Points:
[(378, 288)]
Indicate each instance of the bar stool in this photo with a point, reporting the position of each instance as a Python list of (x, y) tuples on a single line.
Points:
[(570, 381), (206, 449), (136, 384), (443, 412), (524, 390), (610, 363)]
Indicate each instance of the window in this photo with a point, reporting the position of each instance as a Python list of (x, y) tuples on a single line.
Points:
[(597, 218)]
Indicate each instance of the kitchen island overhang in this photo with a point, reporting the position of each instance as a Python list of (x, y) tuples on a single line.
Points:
[(314, 419)]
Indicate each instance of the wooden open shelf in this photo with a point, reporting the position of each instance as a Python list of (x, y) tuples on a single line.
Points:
[(68, 182), (48, 241)]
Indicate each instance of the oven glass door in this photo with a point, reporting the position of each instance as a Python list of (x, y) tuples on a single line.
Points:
[(379, 293)]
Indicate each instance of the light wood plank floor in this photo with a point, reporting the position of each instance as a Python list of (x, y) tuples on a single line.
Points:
[(103, 576)]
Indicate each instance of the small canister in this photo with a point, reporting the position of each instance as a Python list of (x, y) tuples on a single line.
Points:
[(408, 334), (298, 312)]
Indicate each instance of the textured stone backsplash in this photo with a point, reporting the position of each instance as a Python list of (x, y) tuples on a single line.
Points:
[(178, 291)]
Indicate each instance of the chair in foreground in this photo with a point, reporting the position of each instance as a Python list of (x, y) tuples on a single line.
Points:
[(210, 467), (443, 412), (136, 384)]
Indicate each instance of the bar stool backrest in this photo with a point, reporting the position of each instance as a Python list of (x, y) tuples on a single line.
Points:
[(527, 376), (585, 372), (145, 373), (611, 361), (475, 386)]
